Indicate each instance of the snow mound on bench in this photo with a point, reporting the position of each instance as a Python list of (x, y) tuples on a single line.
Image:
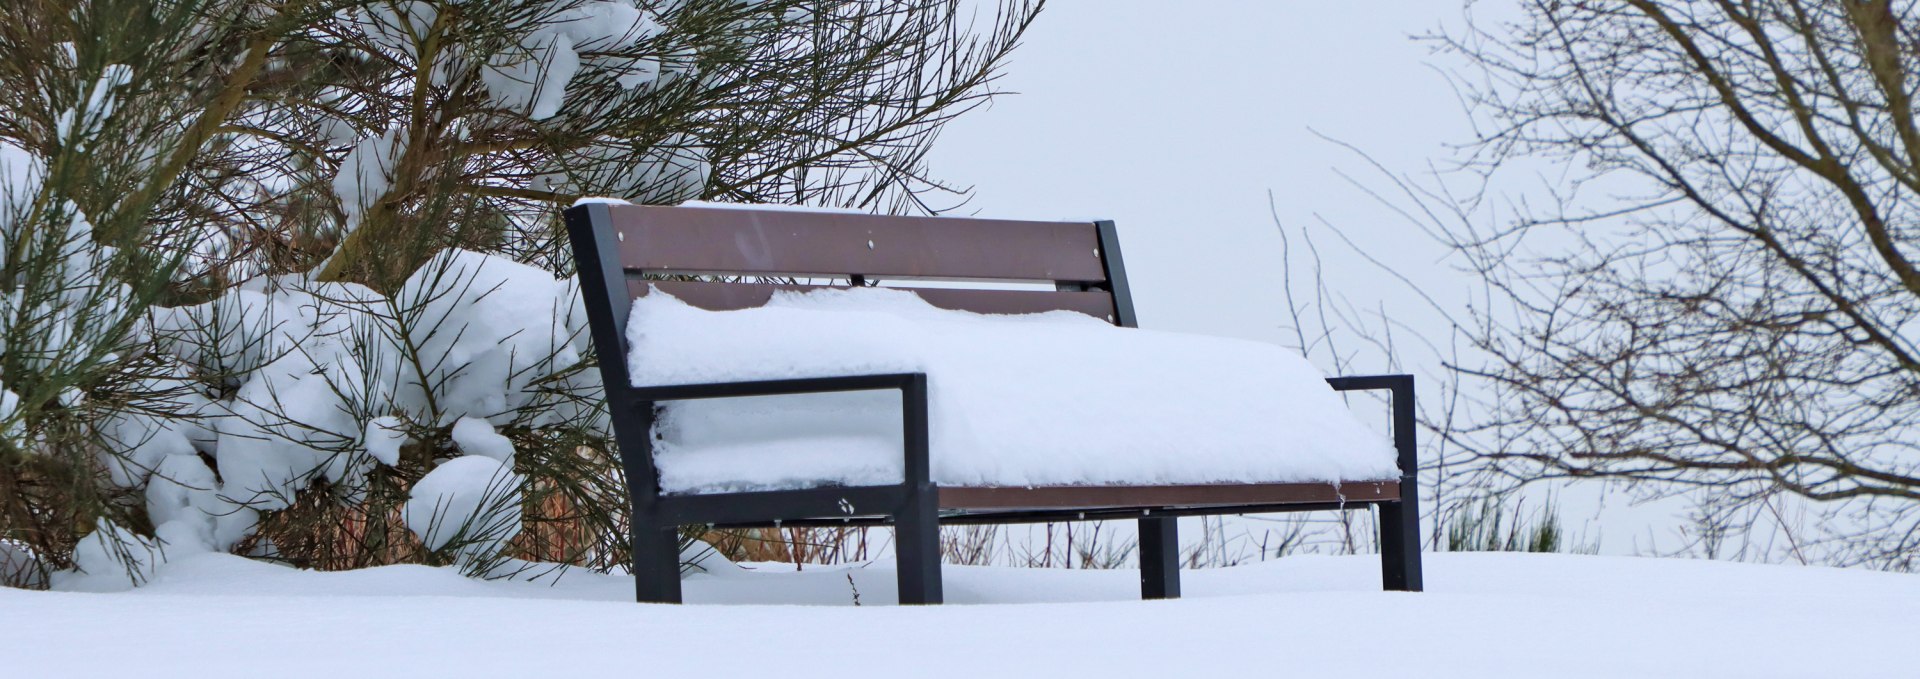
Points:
[(1031, 400)]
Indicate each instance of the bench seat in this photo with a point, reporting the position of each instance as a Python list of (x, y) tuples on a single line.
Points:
[(1014, 504), (1057, 399)]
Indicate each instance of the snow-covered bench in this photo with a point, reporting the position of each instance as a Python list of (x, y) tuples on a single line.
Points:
[(753, 404)]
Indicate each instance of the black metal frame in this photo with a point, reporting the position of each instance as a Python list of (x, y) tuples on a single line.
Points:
[(1398, 522), (911, 506)]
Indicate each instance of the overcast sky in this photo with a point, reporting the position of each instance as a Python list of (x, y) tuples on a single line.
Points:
[(1176, 119)]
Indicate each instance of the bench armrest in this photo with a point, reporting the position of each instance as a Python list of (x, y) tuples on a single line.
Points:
[(1399, 522), (1401, 388), (803, 385), (913, 405)]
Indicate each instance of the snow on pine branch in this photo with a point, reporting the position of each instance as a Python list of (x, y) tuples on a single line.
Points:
[(308, 382), (367, 140), (63, 314), (548, 46), (367, 173), (75, 389)]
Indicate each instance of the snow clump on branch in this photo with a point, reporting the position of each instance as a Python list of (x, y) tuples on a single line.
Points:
[(323, 381)]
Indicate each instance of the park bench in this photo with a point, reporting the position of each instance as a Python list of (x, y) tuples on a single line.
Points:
[(624, 251)]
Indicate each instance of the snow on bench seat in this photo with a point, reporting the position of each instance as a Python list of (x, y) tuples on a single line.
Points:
[(1030, 400)]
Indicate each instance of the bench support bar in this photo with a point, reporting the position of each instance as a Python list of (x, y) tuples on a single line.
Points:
[(917, 550), (656, 562), (1160, 557), (1399, 546), (917, 525)]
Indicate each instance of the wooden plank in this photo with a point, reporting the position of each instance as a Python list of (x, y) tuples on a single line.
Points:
[(716, 296), (1198, 495), (658, 239)]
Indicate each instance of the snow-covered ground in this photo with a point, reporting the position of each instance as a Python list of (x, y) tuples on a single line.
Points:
[(1511, 615)]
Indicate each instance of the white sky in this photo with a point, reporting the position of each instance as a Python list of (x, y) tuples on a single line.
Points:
[(1175, 120)]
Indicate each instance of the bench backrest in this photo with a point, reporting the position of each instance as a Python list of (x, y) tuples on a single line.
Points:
[(626, 248)]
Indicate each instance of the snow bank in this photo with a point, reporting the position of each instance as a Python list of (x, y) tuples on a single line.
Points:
[(115, 552), (1484, 615), (1046, 399)]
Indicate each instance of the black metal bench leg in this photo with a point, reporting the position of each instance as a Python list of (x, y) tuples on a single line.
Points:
[(1400, 545), (917, 549), (656, 562), (1400, 521), (1160, 558)]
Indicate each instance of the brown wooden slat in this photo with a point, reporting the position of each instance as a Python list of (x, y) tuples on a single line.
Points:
[(718, 240), (715, 296), (1095, 497)]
